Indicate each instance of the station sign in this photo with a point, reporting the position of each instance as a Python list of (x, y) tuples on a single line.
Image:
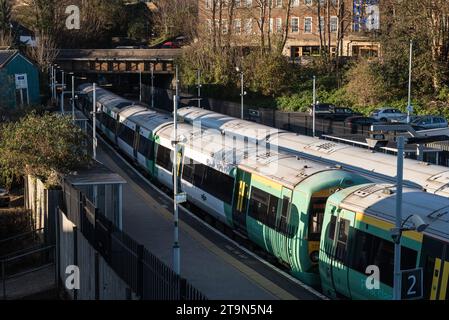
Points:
[(21, 81), (412, 284)]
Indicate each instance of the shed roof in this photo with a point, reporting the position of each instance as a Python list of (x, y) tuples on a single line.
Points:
[(6, 56), (97, 174)]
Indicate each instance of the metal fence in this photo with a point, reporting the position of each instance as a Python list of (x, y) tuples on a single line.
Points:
[(147, 276)]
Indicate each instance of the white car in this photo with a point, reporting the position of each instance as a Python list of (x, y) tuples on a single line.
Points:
[(388, 114)]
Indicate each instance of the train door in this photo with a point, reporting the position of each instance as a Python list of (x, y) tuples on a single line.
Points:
[(435, 261), (241, 200), (339, 265), (283, 223), (136, 142)]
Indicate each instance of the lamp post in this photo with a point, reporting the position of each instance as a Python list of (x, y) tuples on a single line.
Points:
[(94, 122), (62, 91), (140, 85), (314, 107), (176, 248), (409, 101), (242, 90), (396, 232), (152, 86), (199, 88), (73, 92)]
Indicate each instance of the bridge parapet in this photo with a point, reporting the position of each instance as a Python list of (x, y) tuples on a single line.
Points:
[(118, 60)]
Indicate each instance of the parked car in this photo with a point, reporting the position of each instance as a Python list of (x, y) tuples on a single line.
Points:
[(170, 45), (4, 198), (388, 114), (332, 112), (429, 122)]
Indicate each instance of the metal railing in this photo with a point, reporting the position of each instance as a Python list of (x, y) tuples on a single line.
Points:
[(142, 271)]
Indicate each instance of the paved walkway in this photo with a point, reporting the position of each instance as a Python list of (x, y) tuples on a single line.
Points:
[(29, 284)]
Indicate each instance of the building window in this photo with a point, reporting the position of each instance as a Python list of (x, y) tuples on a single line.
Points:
[(279, 25), (308, 25), (224, 26), (209, 25), (322, 24), (237, 26), (308, 2), (295, 25), (247, 3), (295, 3), (271, 27), (249, 26), (208, 4), (334, 24), (278, 3)]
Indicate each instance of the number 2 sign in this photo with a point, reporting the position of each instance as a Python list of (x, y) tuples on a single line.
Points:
[(412, 284)]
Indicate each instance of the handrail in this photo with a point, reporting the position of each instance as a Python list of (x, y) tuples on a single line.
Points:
[(13, 254), (26, 254), (20, 235)]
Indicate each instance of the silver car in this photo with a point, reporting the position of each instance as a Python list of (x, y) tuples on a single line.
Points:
[(388, 114), (429, 122)]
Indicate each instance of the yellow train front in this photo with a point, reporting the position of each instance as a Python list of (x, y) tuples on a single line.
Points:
[(357, 250)]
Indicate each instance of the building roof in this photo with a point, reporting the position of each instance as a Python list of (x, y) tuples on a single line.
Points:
[(6, 56)]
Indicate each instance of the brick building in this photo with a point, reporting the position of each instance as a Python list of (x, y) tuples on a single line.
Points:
[(311, 23)]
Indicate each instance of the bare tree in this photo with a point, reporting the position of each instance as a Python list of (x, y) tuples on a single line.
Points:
[(45, 51)]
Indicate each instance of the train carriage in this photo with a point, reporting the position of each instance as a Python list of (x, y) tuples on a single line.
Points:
[(356, 236), (431, 178)]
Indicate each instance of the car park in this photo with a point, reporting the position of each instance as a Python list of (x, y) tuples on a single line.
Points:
[(388, 114)]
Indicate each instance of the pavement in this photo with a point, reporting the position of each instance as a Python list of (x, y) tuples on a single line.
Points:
[(214, 265)]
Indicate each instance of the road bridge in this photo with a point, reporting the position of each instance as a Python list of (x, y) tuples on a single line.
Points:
[(118, 61)]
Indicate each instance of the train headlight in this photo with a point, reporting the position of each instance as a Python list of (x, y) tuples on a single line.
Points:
[(314, 256)]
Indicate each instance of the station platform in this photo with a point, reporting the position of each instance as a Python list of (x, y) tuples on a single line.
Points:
[(214, 265)]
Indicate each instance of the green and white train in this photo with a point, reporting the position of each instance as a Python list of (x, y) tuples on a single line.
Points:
[(281, 202)]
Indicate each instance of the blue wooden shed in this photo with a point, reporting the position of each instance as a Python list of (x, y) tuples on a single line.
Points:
[(19, 80)]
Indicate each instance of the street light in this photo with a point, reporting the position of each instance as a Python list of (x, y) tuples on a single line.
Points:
[(73, 92), (152, 86), (94, 122), (314, 107), (242, 92), (409, 101), (140, 85), (177, 197), (396, 233), (199, 88)]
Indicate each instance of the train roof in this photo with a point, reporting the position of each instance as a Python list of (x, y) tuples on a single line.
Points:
[(108, 99), (379, 200), (431, 178), (224, 153)]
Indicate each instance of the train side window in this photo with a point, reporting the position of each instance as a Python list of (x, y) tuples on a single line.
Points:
[(342, 240), (146, 148), (332, 226), (318, 205), (283, 220), (259, 204), (126, 134), (163, 158), (188, 170)]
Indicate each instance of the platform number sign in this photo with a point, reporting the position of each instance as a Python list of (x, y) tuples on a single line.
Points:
[(412, 284)]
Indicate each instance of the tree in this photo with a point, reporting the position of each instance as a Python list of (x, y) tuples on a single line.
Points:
[(6, 38), (176, 17), (45, 146)]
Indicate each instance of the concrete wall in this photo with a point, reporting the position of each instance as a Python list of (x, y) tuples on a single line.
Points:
[(96, 277), (43, 203)]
